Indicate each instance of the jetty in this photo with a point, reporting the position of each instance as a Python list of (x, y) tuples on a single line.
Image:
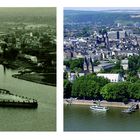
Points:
[(70, 100), (8, 99), (131, 109)]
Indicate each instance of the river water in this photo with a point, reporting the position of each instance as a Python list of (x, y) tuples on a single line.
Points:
[(20, 119), (81, 118)]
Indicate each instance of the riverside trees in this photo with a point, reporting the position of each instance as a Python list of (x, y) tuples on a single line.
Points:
[(88, 87), (122, 91), (93, 87), (115, 91)]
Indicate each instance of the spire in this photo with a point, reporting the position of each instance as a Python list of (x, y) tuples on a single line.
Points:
[(85, 65), (91, 70)]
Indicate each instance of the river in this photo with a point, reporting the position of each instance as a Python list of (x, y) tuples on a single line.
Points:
[(81, 118), (20, 119)]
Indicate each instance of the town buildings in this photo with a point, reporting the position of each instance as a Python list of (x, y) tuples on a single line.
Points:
[(100, 46), (113, 77)]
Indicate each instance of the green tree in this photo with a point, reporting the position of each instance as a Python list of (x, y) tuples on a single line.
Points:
[(92, 89), (4, 46), (67, 88), (67, 63), (77, 63), (133, 64), (131, 78), (134, 90), (88, 87), (46, 40), (115, 91), (11, 53)]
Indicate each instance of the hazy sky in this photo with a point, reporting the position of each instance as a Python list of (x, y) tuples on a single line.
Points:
[(101, 8)]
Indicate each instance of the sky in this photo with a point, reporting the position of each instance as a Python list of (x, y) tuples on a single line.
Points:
[(101, 8)]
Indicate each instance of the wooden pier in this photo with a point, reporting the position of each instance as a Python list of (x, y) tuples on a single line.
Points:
[(131, 109), (70, 100)]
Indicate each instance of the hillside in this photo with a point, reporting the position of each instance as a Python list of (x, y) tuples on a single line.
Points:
[(29, 15), (107, 17)]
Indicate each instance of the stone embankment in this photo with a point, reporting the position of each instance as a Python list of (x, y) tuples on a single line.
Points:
[(102, 103)]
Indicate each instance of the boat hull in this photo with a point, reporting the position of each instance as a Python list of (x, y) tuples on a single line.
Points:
[(96, 108), (8, 99), (18, 104)]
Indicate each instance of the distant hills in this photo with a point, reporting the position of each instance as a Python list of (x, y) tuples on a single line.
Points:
[(105, 17), (41, 15)]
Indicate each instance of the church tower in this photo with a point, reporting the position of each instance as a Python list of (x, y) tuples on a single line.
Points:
[(91, 67), (85, 66)]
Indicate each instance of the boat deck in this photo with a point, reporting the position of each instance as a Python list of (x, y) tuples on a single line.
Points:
[(13, 98), (9, 99)]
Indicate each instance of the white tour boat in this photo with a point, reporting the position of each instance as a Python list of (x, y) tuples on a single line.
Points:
[(99, 108)]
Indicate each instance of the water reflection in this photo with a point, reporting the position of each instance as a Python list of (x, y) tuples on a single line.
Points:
[(4, 69), (98, 113), (82, 118)]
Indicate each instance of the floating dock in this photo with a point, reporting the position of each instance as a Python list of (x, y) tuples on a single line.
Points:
[(11, 100), (131, 109)]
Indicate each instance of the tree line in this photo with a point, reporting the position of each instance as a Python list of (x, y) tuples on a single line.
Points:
[(93, 87)]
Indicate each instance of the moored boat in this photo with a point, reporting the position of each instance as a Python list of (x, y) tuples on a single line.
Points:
[(127, 111), (131, 109), (8, 99), (99, 108)]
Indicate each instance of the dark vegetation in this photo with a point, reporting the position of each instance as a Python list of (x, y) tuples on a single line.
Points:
[(29, 31), (74, 65), (93, 87)]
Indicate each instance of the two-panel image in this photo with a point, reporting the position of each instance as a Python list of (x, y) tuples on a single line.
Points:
[(101, 69)]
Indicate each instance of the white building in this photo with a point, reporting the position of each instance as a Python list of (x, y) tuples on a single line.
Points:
[(71, 76), (124, 64), (79, 55), (32, 58), (97, 69), (122, 34), (113, 77), (81, 74), (112, 35)]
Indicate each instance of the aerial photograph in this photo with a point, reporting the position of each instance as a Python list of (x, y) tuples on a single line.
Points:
[(28, 69), (101, 69)]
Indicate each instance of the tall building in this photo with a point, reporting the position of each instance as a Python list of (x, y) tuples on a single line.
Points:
[(88, 65), (122, 34), (112, 35), (118, 35)]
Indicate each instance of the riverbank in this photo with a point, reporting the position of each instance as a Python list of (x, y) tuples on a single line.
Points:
[(37, 78), (27, 71), (102, 103)]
